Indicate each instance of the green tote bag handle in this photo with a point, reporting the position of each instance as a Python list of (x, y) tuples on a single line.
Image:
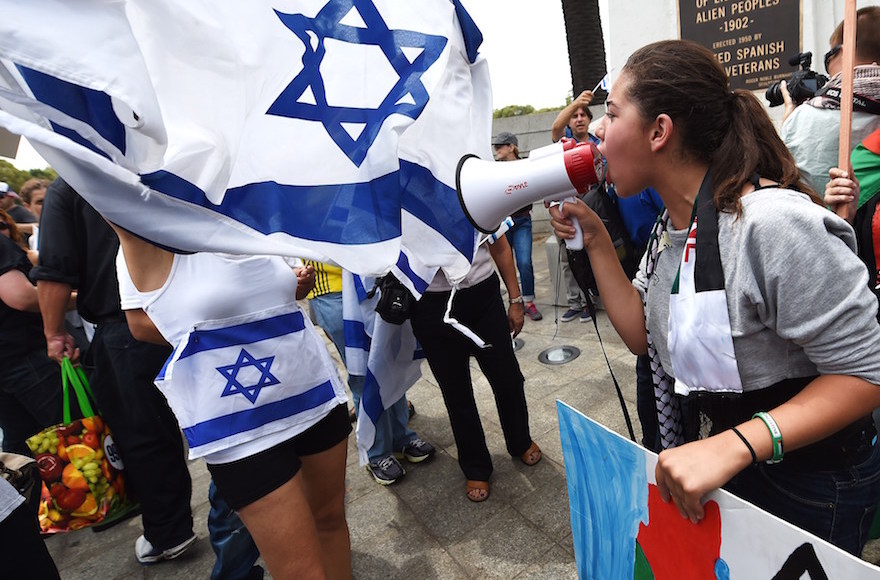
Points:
[(75, 378)]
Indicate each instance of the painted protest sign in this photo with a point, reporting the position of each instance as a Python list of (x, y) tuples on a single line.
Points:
[(622, 529)]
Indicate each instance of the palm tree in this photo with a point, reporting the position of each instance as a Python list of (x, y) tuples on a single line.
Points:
[(586, 46)]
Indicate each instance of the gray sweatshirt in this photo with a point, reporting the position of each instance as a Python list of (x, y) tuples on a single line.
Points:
[(797, 294)]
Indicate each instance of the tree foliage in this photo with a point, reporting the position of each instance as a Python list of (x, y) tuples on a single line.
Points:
[(16, 177), (513, 111), (518, 110)]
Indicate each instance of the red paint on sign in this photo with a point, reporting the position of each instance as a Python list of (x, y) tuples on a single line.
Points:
[(677, 548)]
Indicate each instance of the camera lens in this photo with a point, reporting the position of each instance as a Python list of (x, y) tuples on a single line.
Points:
[(774, 95)]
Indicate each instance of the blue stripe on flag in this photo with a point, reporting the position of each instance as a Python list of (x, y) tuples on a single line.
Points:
[(437, 205), (87, 105), (473, 38), (418, 283), (370, 399), (247, 333), (350, 213), (359, 288), (241, 421), (77, 138), (356, 335)]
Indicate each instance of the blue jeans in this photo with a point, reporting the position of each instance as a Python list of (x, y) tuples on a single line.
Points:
[(391, 430), (235, 548), (520, 239), (838, 506), (392, 434), (327, 309)]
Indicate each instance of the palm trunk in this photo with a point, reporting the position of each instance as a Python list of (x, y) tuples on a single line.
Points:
[(586, 46)]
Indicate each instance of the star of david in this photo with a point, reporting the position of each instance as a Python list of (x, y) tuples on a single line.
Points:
[(407, 97), (245, 359)]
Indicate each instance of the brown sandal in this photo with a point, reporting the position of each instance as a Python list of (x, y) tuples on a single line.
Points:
[(477, 491), (532, 455)]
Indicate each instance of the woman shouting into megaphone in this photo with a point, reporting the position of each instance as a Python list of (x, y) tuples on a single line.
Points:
[(750, 302)]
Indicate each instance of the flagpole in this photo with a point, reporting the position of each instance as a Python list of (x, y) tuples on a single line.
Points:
[(846, 90), (605, 78)]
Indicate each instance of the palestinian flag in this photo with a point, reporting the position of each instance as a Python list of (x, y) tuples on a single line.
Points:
[(866, 165)]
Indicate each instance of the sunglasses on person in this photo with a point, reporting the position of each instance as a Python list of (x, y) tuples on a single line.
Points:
[(835, 50), (497, 147)]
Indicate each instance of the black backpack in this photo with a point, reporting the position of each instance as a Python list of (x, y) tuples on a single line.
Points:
[(605, 205)]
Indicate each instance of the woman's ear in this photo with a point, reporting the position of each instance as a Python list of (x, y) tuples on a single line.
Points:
[(661, 132)]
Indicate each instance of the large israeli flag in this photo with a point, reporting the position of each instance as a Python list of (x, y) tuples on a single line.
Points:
[(387, 355), (326, 129)]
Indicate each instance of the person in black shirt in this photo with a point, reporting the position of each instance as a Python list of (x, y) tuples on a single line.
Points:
[(78, 251), (30, 384)]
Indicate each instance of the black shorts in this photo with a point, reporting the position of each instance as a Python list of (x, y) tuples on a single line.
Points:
[(245, 481)]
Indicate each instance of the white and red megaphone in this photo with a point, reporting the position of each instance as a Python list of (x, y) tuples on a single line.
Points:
[(490, 191)]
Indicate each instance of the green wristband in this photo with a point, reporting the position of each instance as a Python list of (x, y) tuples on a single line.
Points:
[(775, 434)]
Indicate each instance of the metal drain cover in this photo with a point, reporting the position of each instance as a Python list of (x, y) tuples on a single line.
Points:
[(559, 355)]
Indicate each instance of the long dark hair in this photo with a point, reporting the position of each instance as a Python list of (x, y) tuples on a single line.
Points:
[(728, 130), (14, 232)]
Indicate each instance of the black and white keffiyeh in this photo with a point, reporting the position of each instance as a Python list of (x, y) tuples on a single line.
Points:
[(668, 406)]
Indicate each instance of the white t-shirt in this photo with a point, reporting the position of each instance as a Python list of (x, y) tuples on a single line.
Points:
[(207, 286), (248, 371), (482, 268)]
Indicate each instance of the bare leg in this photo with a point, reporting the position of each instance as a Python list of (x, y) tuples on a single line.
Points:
[(324, 485), (282, 525)]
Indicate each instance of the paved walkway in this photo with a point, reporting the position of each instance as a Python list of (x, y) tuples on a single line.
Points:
[(423, 527)]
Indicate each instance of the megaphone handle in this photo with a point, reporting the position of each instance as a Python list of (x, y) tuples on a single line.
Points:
[(576, 243)]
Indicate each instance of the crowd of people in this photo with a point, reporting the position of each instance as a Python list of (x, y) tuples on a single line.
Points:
[(757, 334)]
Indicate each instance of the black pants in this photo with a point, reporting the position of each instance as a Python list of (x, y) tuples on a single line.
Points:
[(480, 308), (30, 399), (144, 429), (26, 556), (646, 405)]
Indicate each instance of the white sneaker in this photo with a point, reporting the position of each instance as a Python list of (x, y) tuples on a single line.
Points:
[(147, 554)]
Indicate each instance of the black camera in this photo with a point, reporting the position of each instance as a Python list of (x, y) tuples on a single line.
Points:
[(396, 303), (802, 85)]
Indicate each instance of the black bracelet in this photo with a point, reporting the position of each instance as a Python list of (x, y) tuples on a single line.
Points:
[(746, 441)]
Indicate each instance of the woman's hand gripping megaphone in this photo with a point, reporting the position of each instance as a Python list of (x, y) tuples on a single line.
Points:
[(576, 241), (573, 221)]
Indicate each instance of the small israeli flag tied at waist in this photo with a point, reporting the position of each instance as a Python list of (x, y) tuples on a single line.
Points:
[(325, 129), (242, 378)]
